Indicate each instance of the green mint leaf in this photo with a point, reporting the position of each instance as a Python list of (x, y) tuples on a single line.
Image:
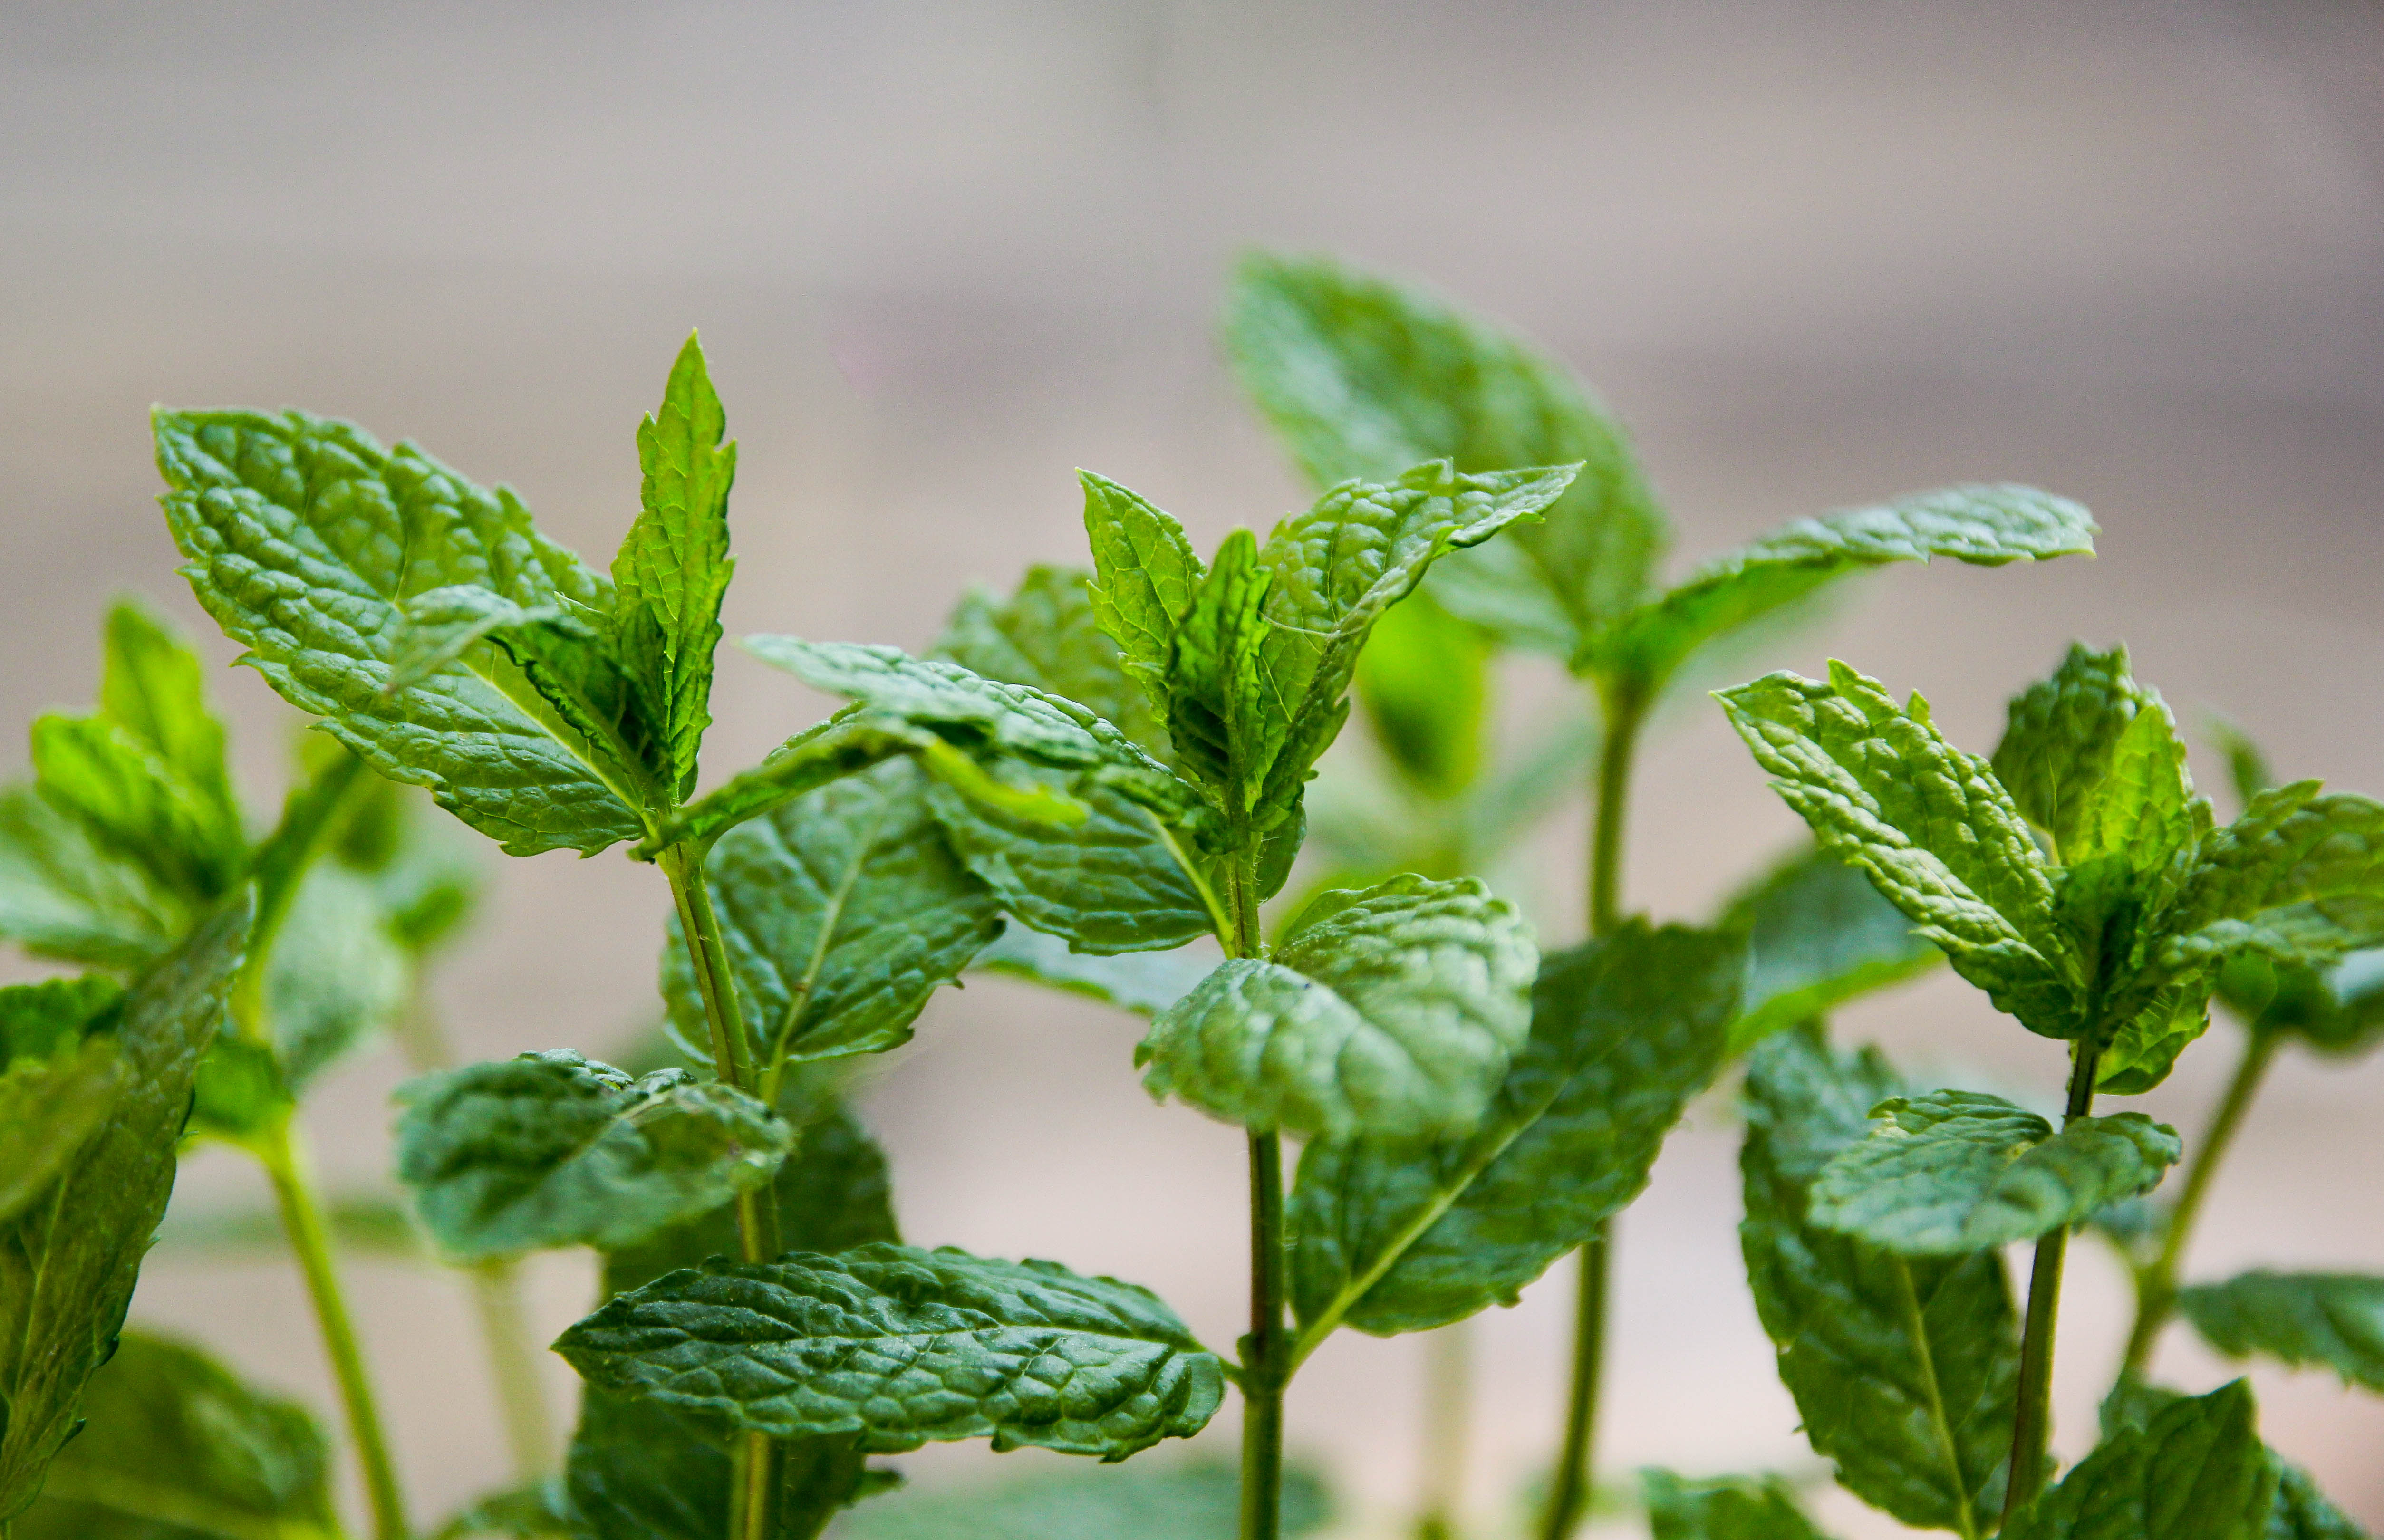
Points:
[(2337, 1011), (2247, 763), (1903, 1369), (1954, 1171), (2299, 1319), (672, 567), (1183, 1500), (65, 898), (153, 685), (2094, 759), (1424, 683), (1928, 822), (1984, 526), (1145, 983), (175, 1445), (1397, 1015), (1114, 882), (846, 744), (1332, 573), (1817, 936), (135, 804), (1398, 1236), (2299, 877), (843, 911), (1723, 1507), (2300, 1512), (896, 1346), (304, 537), (68, 1263), (551, 1150), (1362, 378), (2147, 1045), (337, 973), (539, 1511), (2196, 1472), (1211, 692), (59, 1076), (1145, 577)]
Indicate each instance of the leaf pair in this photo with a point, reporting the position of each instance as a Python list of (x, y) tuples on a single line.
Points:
[(1362, 377), (2112, 937)]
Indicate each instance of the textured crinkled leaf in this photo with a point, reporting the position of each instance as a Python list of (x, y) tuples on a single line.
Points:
[(1903, 1369), (2300, 1318), (841, 911), (1210, 695), (2300, 1512), (69, 1263), (1723, 1507), (846, 744), (1195, 1500), (1926, 822), (1985, 525), (1817, 936), (553, 1150), (1145, 574), (2299, 877), (673, 566), (62, 897), (1048, 634), (174, 1446), (302, 537), (2196, 1472), (898, 1345), (2093, 759), (1144, 982), (2145, 1048), (1399, 1015), (1362, 378), (1334, 569), (1403, 1235), (1955, 1172)]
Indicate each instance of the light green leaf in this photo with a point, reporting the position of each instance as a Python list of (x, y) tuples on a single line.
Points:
[(2093, 759), (1984, 526), (1363, 378), (1048, 634), (843, 911), (2300, 1318), (1144, 577), (69, 1263), (1817, 936), (1903, 1370), (58, 1079), (1955, 1172), (302, 537), (2299, 877), (2247, 763), (153, 685), (1723, 1507), (1397, 1015), (336, 975), (176, 1448), (1181, 1500), (134, 805), (1143, 982), (63, 897), (846, 744), (1928, 822), (899, 1346), (1424, 683), (2197, 1471), (1210, 694), (1402, 1235), (672, 567), (551, 1150)]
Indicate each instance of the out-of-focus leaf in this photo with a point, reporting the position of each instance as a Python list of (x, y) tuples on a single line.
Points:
[(1181, 1500), (1817, 936)]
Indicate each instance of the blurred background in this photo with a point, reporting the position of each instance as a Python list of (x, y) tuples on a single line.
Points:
[(943, 253)]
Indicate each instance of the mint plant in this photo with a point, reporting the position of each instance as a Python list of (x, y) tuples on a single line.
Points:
[(1101, 780)]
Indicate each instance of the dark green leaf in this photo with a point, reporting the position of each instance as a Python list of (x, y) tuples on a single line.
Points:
[(1955, 1172), (1397, 1015), (69, 1263), (899, 1346), (551, 1150), (672, 567), (302, 538), (1397, 1236), (1144, 982), (59, 1078), (2301, 1319), (843, 911), (1817, 936), (2197, 1471), (1723, 1507), (1363, 378), (1928, 822), (542, 1511), (2300, 1512), (1194, 1500), (176, 1448), (1903, 1369)]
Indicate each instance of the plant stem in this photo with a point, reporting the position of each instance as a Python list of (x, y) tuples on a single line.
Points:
[(1262, 1350), (2033, 1415), (2157, 1284), (757, 1213), (1573, 1486), (302, 1216), (1447, 1411)]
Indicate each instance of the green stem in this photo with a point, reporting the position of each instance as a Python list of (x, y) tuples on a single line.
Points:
[(2032, 1414), (1263, 1369), (1626, 712), (1447, 1411), (302, 1217), (757, 1213), (2157, 1284)]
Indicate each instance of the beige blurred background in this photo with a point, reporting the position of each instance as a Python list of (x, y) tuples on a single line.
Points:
[(944, 253)]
